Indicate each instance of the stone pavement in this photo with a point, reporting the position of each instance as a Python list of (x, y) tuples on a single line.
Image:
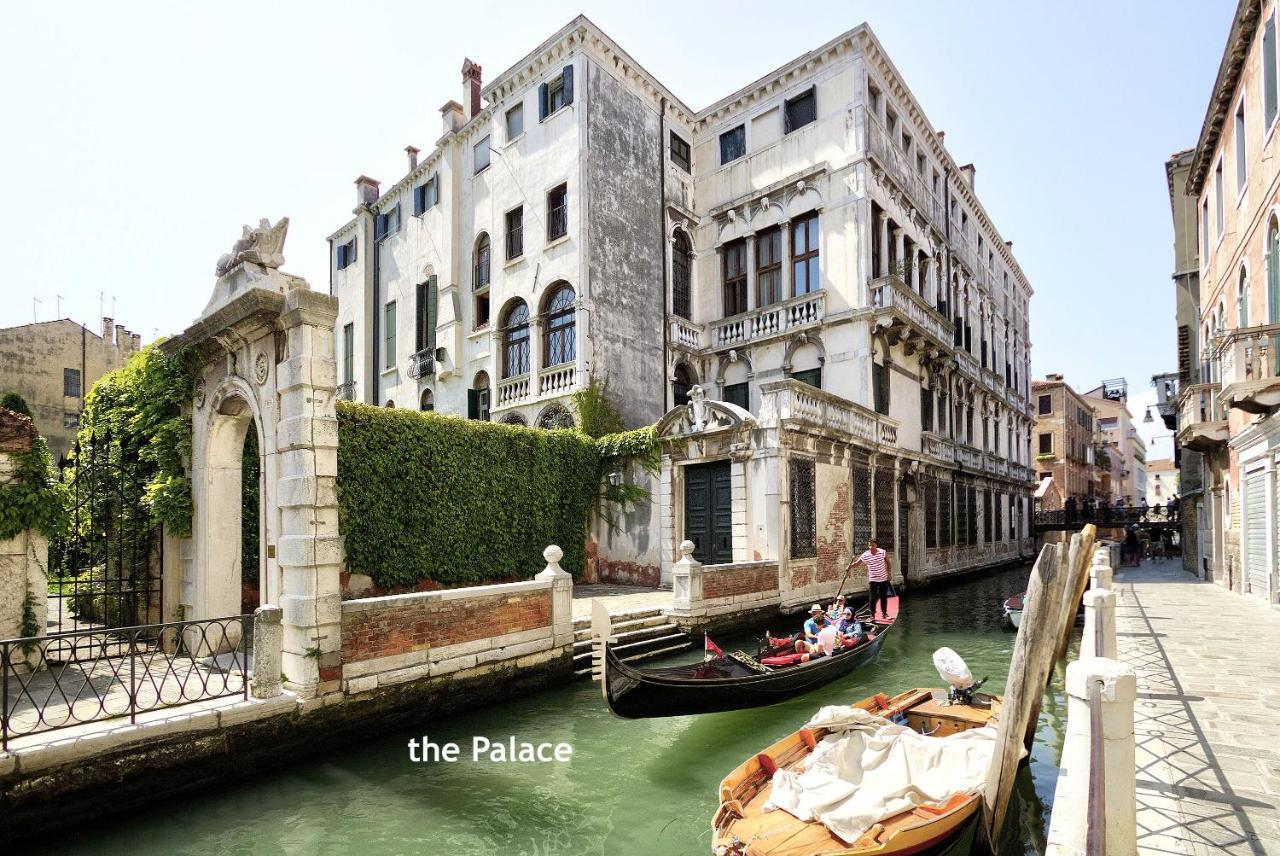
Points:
[(619, 598), (1207, 717)]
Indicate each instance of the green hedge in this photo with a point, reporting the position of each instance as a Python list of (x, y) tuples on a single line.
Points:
[(427, 496)]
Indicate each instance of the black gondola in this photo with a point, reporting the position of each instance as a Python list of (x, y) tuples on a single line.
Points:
[(726, 682)]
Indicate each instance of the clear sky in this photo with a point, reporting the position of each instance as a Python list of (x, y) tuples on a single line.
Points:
[(139, 137)]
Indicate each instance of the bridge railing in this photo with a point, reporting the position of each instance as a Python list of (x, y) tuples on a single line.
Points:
[(1107, 515)]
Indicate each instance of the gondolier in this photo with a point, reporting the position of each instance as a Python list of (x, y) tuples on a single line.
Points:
[(879, 568)]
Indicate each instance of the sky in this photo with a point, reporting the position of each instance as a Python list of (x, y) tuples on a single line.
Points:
[(140, 137)]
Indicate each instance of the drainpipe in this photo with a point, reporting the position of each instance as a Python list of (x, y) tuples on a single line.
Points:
[(375, 379), (662, 243), (331, 267)]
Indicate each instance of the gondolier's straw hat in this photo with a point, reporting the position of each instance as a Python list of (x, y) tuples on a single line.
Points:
[(815, 608)]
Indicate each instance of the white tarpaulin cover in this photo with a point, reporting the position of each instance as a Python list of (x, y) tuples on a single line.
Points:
[(872, 769)]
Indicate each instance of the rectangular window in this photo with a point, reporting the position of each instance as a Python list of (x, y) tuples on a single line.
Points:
[(1242, 166), (71, 383), (681, 154), (1046, 444), (346, 254), (739, 394), (804, 255), (1269, 71), (801, 110), (880, 387), (387, 223), (734, 270), (926, 409), (1220, 220), (558, 212), (769, 266), (733, 144), (1204, 231), (813, 377), (348, 353), (920, 164), (906, 144), (389, 336), (425, 317), (515, 233), (555, 94), (480, 156), (804, 512), (515, 122), (426, 195)]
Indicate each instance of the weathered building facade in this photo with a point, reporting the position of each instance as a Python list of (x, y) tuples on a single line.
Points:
[(1064, 437), (808, 235), (53, 364), (1125, 460), (1227, 411)]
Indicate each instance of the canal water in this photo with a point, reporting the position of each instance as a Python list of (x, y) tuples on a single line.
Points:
[(632, 787)]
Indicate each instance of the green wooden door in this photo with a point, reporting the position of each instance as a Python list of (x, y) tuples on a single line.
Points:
[(708, 512)]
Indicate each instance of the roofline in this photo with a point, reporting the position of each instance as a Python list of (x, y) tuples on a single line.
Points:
[(84, 327), (1243, 27)]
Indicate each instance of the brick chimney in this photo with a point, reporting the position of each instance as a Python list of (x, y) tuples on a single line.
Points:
[(471, 87), (452, 113), (413, 157), (106, 330), (1053, 376), (968, 171), (366, 190), (122, 336)]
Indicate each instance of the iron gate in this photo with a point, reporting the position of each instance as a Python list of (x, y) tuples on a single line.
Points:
[(105, 572)]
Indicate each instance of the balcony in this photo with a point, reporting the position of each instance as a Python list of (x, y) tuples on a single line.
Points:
[(908, 316), (969, 456), (514, 390), (768, 322), (557, 380), (686, 335), (422, 364), (968, 363), (799, 402), (346, 391), (894, 163), (938, 447), (1202, 419), (1248, 360)]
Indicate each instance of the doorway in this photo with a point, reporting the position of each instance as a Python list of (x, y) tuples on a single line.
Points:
[(708, 512)]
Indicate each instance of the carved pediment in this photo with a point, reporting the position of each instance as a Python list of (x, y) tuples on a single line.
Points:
[(702, 415)]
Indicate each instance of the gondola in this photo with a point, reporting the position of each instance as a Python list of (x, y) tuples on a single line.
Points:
[(729, 682)]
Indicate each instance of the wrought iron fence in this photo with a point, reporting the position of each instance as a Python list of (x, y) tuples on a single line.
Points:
[(68, 679), (1108, 515)]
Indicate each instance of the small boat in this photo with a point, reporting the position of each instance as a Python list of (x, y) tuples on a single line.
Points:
[(943, 823), (733, 681), (1013, 610)]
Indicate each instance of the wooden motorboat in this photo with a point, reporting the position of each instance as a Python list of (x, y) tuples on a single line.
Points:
[(731, 682), (1013, 610), (741, 826)]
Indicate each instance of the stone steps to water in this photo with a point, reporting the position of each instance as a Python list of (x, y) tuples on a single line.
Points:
[(638, 634)]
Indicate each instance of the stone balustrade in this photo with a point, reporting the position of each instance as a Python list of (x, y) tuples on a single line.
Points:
[(791, 399), (938, 447), (557, 380), (767, 322), (513, 390), (686, 334), (892, 297)]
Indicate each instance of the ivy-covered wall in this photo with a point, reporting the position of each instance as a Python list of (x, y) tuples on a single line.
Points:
[(456, 501)]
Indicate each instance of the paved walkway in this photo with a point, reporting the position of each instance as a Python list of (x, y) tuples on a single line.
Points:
[(619, 598), (1207, 718)]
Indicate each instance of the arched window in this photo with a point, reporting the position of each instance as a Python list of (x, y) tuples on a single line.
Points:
[(681, 384), (681, 268), (428, 401), (478, 398), (513, 419), (559, 334), (1273, 271), (515, 340), (480, 272), (1242, 298), (390, 404), (555, 416)]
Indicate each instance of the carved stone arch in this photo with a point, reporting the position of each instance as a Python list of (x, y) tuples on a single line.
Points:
[(730, 228), (702, 415), (767, 213), (555, 415), (728, 359), (804, 198), (799, 340)]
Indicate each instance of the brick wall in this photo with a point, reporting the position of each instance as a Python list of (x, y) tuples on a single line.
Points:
[(733, 581), (404, 624)]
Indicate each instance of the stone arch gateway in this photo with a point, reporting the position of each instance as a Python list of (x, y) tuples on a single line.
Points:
[(267, 365)]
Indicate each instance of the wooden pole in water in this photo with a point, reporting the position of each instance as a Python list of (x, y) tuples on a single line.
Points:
[(1033, 653), (1080, 561)]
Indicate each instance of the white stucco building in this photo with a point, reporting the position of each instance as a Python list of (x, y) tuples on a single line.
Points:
[(577, 219)]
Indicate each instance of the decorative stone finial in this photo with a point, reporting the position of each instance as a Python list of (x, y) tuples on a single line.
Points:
[(686, 550), (263, 245), (553, 554)]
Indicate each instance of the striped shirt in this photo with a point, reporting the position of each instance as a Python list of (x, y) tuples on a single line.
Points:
[(875, 562)]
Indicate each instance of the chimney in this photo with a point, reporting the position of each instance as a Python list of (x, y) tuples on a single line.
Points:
[(1009, 244), (471, 87), (106, 330), (413, 157), (942, 137), (1053, 376), (137, 343), (452, 113), (366, 190), (122, 336), (967, 171)]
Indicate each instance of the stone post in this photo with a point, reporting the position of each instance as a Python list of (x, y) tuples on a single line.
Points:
[(1099, 637), (24, 558), (1117, 685), (686, 580), (268, 644), (1100, 571), (561, 596)]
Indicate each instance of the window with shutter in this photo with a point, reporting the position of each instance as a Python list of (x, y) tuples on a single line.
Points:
[(1269, 70), (389, 336), (801, 110)]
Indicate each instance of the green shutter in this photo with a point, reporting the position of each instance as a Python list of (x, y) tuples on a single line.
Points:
[(389, 340), (432, 316)]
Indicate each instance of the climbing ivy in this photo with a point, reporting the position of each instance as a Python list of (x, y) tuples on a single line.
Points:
[(140, 406), (34, 499)]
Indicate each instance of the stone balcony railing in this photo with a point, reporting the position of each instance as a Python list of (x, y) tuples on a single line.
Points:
[(514, 390), (1202, 418), (897, 304), (937, 447), (969, 456), (422, 364), (1248, 356), (557, 380), (968, 363), (793, 400), (767, 322), (686, 334), (894, 162)]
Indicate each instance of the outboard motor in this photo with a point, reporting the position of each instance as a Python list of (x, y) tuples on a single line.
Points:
[(952, 669)]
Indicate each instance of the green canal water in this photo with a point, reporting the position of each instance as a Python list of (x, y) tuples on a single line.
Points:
[(643, 787)]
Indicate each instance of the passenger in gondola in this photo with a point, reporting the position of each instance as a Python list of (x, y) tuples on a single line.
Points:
[(850, 629), (813, 627), (837, 610)]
